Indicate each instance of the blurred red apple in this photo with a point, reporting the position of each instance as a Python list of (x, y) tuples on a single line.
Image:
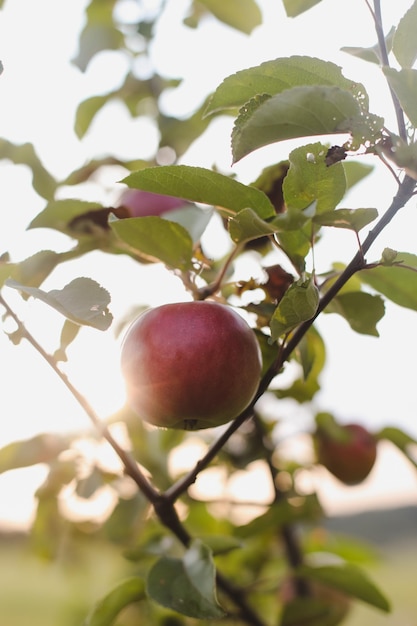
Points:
[(348, 451), (190, 365), (139, 203)]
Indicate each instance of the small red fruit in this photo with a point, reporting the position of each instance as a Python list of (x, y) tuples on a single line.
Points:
[(190, 365), (139, 203), (348, 451)]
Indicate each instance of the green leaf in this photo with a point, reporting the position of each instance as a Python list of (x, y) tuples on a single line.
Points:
[(201, 185), (58, 214), (361, 310), (371, 54), (98, 34), (311, 353), (108, 608), (401, 440), (349, 579), (39, 449), (246, 225), (192, 218), (297, 112), (309, 181), (296, 7), (82, 301), (158, 239), (86, 112), (274, 77), (244, 15), (68, 333), (280, 514), (188, 585), (298, 305), (404, 83), (43, 182), (405, 44), (353, 219), (355, 172), (397, 282)]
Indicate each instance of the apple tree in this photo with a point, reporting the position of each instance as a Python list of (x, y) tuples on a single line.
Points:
[(192, 376)]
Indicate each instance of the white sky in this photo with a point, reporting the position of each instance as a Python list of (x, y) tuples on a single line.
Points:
[(366, 379)]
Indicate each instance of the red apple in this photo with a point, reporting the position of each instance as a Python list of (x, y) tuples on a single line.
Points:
[(347, 451), (190, 365), (139, 203)]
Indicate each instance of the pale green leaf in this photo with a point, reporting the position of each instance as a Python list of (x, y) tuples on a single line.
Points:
[(108, 608), (371, 54), (353, 219), (274, 77), (296, 7), (400, 439), (404, 83), (157, 239), (243, 15), (361, 310), (349, 579), (42, 448), (246, 226), (396, 282), (43, 182), (405, 43), (83, 301), (86, 112), (298, 305), (58, 214), (297, 112), (201, 185)]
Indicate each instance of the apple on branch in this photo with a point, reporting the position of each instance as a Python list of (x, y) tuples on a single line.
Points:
[(190, 365), (347, 451)]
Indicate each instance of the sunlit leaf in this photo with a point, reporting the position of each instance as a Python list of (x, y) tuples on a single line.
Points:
[(157, 239), (86, 112), (353, 219), (371, 54), (108, 608), (58, 214), (355, 172), (405, 44), (274, 77), (43, 182), (99, 33), (297, 112), (404, 83), (39, 449), (201, 185), (396, 282), (309, 181), (244, 15), (192, 218), (296, 7), (246, 226), (361, 310), (400, 439), (349, 579), (68, 333), (298, 305), (83, 301), (186, 585)]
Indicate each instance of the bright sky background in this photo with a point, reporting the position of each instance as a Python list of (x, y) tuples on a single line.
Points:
[(367, 379)]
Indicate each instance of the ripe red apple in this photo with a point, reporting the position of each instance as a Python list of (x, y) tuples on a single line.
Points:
[(139, 203), (190, 365), (348, 451)]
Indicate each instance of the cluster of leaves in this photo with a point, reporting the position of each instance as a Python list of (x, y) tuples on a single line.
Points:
[(282, 215)]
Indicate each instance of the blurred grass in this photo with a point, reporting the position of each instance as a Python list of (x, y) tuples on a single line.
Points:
[(61, 593), (41, 593)]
